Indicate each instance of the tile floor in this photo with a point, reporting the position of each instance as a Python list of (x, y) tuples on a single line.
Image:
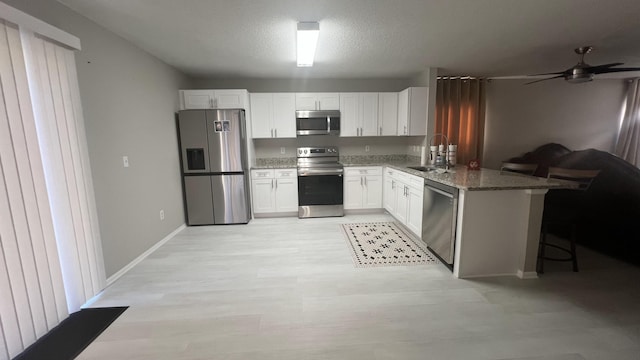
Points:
[(287, 289)]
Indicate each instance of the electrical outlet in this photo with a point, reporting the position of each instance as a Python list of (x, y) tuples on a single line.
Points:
[(161, 214), (282, 150), (366, 148), (125, 161)]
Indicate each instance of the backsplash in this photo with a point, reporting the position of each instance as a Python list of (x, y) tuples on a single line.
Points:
[(276, 162), (378, 159)]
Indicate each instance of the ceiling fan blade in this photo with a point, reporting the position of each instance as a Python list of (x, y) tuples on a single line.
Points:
[(553, 73), (555, 77), (595, 69), (605, 71)]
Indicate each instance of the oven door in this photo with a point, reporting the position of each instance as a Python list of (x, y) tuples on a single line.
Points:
[(320, 194)]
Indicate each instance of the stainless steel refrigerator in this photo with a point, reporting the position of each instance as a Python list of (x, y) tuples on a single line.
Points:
[(214, 166)]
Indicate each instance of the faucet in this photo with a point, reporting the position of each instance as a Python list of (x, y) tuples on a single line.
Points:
[(439, 162)]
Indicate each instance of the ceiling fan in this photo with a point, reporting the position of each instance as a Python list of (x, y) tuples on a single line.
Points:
[(583, 72)]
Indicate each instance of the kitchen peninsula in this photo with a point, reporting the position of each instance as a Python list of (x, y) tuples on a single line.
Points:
[(498, 220), (498, 214)]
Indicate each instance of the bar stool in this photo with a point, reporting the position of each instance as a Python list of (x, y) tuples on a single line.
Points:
[(563, 213), (525, 169)]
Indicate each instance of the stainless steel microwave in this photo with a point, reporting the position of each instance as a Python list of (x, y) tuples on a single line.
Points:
[(317, 122)]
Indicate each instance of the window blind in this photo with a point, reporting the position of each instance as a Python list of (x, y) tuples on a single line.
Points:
[(50, 254)]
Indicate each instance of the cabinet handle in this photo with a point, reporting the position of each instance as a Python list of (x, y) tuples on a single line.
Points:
[(393, 184), (380, 130), (272, 183), (405, 129), (211, 103), (365, 181), (275, 131), (271, 132), (360, 180), (276, 184)]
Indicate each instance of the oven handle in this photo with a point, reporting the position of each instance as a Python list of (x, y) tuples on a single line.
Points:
[(312, 172)]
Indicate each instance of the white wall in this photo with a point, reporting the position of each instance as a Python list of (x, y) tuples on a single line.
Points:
[(302, 85), (520, 117), (129, 100)]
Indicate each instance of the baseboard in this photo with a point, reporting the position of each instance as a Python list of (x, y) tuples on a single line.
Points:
[(363, 211), (486, 275), (527, 274), (142, 256)]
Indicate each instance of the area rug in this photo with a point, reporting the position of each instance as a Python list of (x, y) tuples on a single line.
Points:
[(385, 244), (67, 340)]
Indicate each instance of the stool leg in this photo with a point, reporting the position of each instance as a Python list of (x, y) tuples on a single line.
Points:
[(542, 245), (574, 256)]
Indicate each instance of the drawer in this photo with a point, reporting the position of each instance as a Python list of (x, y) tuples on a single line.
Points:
[(416, 182), (402, 176), (359, 171), (262, 174), (286, 173)]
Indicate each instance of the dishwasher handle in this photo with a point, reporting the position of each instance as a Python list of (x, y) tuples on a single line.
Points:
[(441, 192)]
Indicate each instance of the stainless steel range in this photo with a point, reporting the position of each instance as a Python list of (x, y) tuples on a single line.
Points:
[(319, 182)]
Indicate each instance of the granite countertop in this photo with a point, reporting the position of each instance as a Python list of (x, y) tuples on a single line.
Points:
[(459, 177), (474, 180)]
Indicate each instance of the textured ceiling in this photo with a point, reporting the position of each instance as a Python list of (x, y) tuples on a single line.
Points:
[(374, 38)]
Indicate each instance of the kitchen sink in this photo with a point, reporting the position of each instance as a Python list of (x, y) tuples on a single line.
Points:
[(422, 168)]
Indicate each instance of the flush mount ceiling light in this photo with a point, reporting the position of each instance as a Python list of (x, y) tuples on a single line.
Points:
[(307, 39)]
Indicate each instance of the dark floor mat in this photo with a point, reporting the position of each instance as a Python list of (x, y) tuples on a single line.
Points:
[(71, 336)]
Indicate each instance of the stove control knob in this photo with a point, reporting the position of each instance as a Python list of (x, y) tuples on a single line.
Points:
[(305, 151)]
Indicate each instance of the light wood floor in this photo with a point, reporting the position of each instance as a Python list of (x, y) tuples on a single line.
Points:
[(287, 289)]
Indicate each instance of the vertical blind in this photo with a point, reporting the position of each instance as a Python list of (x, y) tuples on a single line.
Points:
[(50, 254)]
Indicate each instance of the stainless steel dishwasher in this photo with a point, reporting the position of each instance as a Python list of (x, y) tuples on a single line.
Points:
[(440, 209)]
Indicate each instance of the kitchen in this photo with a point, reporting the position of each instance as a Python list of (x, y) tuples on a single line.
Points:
[(116, 78)]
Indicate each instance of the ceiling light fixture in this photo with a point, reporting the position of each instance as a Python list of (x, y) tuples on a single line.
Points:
[(307, 39)]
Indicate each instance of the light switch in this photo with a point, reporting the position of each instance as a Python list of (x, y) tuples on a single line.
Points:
[(125, 161)]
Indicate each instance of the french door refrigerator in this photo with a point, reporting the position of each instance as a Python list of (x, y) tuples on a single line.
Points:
[(214, 166)]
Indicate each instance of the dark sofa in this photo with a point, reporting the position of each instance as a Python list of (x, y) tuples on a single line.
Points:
[(609, 210)]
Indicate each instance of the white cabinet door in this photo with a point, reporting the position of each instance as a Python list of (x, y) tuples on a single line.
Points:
[(261, 116), (230, 99), (349, 114), (196, 99), (412, 111), (368, 114), (286, 194), (414, 211), (317, 101), (353, 189), (306, 101), (328, 101), (403, 112), (388, 114), (284, 115), (402, 201), (262, 191), (389, 194), (372, 195)]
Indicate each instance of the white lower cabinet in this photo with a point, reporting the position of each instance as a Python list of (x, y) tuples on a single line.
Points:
[(274, 191), (363, 187), (403, 198)]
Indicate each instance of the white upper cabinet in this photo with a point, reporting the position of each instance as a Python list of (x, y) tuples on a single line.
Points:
[(213, 99), (359, 114), (349, 114), (317, 101), (412, 111), (273, 115), (388, 113)]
